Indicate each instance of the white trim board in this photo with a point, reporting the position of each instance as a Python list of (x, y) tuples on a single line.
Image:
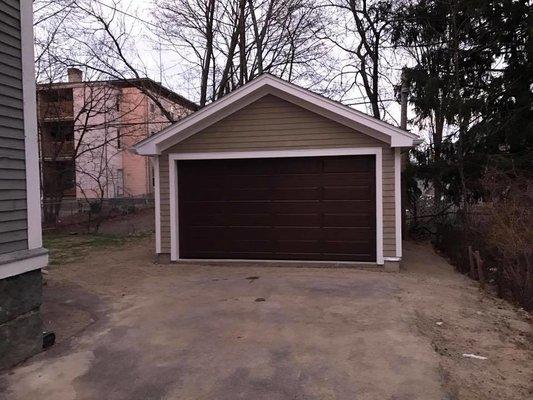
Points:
[(21, 266), (276, 153), (262, 86), (309, 263), (398, 200), (174, 212), (173, 159), (33, 187)]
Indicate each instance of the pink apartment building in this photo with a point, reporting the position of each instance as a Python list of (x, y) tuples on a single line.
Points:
[(87, 130)]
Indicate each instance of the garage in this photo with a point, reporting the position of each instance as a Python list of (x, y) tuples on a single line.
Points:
[(273, 171), (300, 208)]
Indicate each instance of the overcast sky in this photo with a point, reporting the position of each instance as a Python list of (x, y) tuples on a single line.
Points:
[(171, 70)]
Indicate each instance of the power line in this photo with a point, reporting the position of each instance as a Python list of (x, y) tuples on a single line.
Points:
[(126, 14)]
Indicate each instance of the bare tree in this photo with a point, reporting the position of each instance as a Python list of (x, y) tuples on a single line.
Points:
[(97, 39), (363, 35), (228, 43), (91, 36)]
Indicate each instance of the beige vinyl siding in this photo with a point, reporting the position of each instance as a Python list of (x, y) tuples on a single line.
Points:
[(271, 123), (164, 201), (389, 221)]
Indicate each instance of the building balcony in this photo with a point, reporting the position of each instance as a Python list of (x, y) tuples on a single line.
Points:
[(57, 150), (56, 110)]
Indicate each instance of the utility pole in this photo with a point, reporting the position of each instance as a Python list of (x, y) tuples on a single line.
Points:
[(404, 94)]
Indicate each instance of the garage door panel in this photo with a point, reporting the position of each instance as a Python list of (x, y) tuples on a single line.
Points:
[(297, 233), (247, 232), (247, 181), (304, 208), (295, 207), (288, 180), (347, 247), (233, 194), (203, 194), (227, 181), (247, 194), (203, 234), (199, 233), (352, 257), (349, 164), (295, 193), (360, 192), (245, 167), (201, 219), (348, 206), (311, 219), (298, 165), (347, 179), (303, 256), (232, 255), (251, 246), (298, 246), (347, 233), (207, 243), (228, 219), (348, 219), (232, 219), (230, 207)]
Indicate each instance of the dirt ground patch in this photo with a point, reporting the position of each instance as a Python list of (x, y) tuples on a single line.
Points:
[(128, 328)]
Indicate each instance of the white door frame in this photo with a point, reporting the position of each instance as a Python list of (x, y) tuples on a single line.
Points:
[(173, 159)]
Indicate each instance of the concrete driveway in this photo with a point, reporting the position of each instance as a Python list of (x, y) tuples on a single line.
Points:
[(203, 332)]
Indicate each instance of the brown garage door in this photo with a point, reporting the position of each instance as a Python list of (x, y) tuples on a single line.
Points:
[(303, 208)]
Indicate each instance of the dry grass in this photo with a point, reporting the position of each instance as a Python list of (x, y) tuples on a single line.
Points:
[(66, 248)]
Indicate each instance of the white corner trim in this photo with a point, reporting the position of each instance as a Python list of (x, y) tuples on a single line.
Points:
[(259, 87), (173, 180), (21, 266), (379, 207), (157, 201), (33, 186), (398, 200), (174, 213)]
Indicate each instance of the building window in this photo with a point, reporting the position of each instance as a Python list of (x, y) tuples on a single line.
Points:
[(119, 139), (56, 95), (119, 187), (117, 101)]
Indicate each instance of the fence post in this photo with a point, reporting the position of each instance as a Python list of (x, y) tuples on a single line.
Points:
[(480, 271), (472, 264)]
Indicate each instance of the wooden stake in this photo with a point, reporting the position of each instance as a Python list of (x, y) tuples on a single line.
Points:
[(480, 271)]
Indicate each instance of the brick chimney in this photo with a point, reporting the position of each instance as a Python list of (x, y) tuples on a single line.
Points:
[(74, 75)]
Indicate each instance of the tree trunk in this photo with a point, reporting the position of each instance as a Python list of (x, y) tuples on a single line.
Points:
[(206, 65)]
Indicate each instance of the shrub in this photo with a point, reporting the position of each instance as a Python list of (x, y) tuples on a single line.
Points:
[(508, 231), (500, 228)]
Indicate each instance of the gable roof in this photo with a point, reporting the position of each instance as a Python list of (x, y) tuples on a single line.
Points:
[(260, 87)]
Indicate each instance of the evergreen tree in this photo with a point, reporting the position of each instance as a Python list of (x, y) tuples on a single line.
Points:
[(470, 86)]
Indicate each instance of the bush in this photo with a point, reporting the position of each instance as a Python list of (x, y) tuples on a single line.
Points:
[(500, 229), (508, 231)]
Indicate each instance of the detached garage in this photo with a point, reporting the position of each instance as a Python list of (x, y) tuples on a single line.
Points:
[(275, 172)]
